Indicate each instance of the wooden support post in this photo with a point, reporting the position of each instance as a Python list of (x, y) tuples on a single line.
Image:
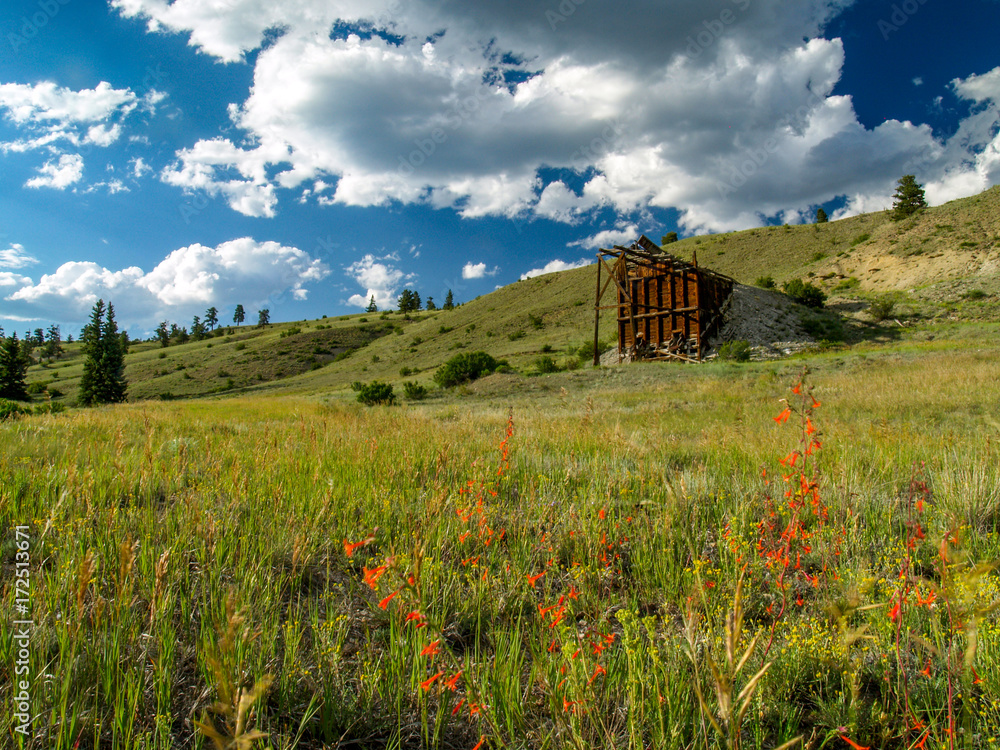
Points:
[(597, 313)]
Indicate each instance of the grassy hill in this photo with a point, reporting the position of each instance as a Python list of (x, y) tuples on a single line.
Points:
[(943, 264)]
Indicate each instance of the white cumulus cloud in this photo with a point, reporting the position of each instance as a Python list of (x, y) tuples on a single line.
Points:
[(380, 280), (554, 266), (15, 256), (182, 284), (722, 109), (58, 174), (477, 271)]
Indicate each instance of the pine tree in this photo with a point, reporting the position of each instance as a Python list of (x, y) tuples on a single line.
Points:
[(908, 198), (372, 307), (430, 304), (103, 380), (14, 363), (449, 302), (263, 317), (239, 315), (821, 217), (211, 318), (163, 334)]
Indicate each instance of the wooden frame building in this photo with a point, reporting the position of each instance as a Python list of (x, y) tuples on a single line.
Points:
[(667, 308)]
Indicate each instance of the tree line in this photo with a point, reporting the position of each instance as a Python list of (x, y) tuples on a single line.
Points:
[(409, 301)]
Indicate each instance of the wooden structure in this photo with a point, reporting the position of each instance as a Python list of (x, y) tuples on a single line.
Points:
[(667, 308)]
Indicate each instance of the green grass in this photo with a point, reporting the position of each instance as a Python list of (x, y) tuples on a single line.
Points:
[(633, 496)]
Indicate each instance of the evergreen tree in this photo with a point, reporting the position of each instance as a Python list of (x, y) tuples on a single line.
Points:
[(14, 363), (908, 198), (103, 380), (53, 342), (163, 334), (449, 302), (263, 317), (821, 217), (668, 238), (372, 307), (239, 315), (430, 304), (211, 318), (197, 329)]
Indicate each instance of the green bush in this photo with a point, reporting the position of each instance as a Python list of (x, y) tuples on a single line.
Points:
[(546, 364), (804, 293), (847, 284), (765, 282), (972, 294), (881, 307), (585, 352), (11, 409), (405, 371), (39, 386), (536, 322), (464, 368), (374, 393), (414, 391), (294, 330), (735, 351), (55, 393)]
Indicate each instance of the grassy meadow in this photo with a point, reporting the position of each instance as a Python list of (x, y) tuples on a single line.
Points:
[(654, 556)]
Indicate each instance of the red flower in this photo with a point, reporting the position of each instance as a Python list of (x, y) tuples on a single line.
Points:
[(371, 576), (426, 684), (783, 417), (854, 744), (349, 547), (479, 744), (385, 602), (431, 648), (532, 579)]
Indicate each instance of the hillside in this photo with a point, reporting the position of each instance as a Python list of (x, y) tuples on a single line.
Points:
[(943, 264)]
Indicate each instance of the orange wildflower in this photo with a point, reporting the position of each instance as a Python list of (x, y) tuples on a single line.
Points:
[(426, 684), (598, 670), (783, 417), (452, 682), (349, 547), (479, 744), (431, 648), (385, 602), (854, 744), (371, 576), (533, 579)]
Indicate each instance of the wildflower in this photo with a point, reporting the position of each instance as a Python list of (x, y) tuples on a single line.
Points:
[(417, 617), (371, 576), (783, 417), (426, 684), (533, 579), (598, 670), (894, 612), (385, 602), (452, 682), (854, 744), (349, 547), (926, 671), (458, 707), (479, 744), (431, 648)]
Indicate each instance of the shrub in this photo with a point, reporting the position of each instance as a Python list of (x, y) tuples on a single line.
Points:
[(585, 352), (294, 330), (971, 294), (546, 348), (849, 283), (860, 238), (546, 364), (39, 386), (464, 368), (373, 393), (804, 293), (55, 393), (536, 322), (881, 307), (404, 371), (765, 282), (414, 391), (240, 346), (516, 335), (11, 409), (161, 355), (735, 351)]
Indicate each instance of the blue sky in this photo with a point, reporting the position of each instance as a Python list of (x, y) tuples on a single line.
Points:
[(172, 156)]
